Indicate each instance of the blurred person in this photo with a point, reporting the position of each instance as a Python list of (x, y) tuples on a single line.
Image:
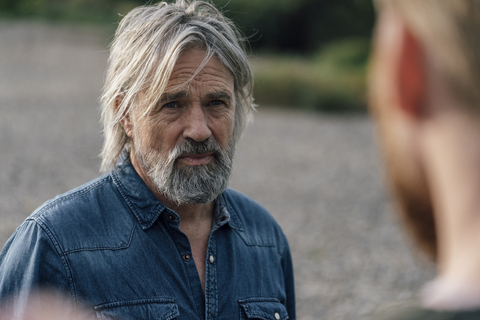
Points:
[(161, 236), (425, 98), (46, 305)]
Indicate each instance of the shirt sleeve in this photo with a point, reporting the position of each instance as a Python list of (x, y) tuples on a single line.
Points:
[(30, 264), (287, 266)]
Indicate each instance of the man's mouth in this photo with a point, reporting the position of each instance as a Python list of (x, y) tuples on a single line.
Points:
[(196, 159)]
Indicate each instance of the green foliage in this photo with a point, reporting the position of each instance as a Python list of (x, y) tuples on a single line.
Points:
[(68, 10), (295, 26), (332, 80), (303, 57)]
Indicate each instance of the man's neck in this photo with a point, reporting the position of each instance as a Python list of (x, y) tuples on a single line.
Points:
[(190, 214)]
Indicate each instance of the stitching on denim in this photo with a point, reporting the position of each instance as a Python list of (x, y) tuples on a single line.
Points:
[(238, 223), (58, 250), (123, 192), (211, 278), (40, 217), (105, 248), (283, 243), (174, 313), (258, 299), (114, 304), (162, 301), (245, 303), (240, 230), (64, 198), (254, 244), (214, 249)]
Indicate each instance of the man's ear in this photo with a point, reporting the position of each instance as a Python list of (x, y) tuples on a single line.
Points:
[(125, 119), (411, 75)]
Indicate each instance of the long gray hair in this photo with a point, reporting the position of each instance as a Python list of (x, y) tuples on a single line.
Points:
[(143, 54)]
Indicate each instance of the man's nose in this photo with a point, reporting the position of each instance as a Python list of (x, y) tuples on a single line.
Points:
[(196, 124)]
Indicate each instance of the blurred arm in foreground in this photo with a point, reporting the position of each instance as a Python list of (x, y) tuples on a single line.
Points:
[(425, 97), (46, 305)]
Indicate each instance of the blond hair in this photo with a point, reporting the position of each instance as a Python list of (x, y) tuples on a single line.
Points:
[(146, 46), (450, 30)]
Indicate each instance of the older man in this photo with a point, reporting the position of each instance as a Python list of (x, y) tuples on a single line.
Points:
[(160, 236), (425, 97)]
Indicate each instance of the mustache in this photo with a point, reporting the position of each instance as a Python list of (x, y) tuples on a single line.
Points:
[(195, 147)]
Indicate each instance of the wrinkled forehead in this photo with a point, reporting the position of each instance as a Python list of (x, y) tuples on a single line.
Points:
[(192, 71), (198, 67)]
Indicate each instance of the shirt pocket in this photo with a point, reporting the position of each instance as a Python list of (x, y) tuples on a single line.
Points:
[(262, 308), (145, 309)]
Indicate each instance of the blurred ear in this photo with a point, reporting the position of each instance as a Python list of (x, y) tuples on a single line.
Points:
[(411, 75), (125, 120)]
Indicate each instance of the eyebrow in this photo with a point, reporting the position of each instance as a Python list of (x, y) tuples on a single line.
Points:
[(167, 96), (172, 96), (219, 95)]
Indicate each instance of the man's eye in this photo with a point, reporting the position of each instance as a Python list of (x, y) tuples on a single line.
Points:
[(216, 102), (170, 105)]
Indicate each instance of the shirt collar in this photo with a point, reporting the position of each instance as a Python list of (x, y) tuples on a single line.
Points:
[(147, 208)]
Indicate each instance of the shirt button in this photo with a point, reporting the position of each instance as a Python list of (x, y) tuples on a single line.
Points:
[(277, 316), (170, 217), (211, 259), (186, 257)]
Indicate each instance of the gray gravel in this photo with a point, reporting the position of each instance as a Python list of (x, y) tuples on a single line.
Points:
[(319, 175)]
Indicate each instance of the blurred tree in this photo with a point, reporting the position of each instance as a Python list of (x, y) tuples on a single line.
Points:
[(299, 26)]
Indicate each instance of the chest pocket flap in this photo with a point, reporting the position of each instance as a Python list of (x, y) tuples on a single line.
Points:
[(147, 309), (263, 308)]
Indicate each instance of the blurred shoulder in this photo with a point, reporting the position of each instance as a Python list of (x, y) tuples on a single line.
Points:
[(412, 310)]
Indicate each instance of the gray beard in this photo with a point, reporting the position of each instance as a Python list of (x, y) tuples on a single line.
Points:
[(183, 184)]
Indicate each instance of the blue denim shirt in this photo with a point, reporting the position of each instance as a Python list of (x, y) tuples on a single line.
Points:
[(112, 245)]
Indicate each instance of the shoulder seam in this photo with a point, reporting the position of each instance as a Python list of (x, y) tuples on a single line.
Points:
[(58, 250), (63, 198)]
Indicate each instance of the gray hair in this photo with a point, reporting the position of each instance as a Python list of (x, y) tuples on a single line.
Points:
[(450, 31), (146, 46)]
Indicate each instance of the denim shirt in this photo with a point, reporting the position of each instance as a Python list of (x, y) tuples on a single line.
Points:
[(112, 245)]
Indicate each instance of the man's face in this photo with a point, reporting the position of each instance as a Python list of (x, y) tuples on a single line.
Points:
[(186, 144), (398, 136)]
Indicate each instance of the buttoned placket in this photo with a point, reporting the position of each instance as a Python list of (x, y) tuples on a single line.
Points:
[(185, 255), (211, 292), (211, 287), (207, 301)]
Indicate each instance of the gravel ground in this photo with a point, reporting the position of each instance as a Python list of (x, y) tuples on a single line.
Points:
[(319, 175)]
